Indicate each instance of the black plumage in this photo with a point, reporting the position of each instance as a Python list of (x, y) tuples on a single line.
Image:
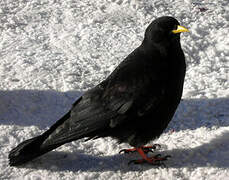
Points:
[(134, 104)]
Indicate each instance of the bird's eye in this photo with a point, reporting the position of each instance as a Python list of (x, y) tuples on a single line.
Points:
[(174, 27)]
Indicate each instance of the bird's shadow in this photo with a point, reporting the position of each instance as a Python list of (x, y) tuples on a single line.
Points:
[(195, 113), (211, 154), (35, 107), (43, 108)]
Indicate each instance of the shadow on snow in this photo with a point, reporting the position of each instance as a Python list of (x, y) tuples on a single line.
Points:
[(212, 154), (43, 108)]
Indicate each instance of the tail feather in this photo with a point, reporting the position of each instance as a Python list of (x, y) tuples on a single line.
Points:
[(29, 150), (63, 131), (32, 148), (25, 151)]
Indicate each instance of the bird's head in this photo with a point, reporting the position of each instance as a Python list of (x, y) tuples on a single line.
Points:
[(164, 31)]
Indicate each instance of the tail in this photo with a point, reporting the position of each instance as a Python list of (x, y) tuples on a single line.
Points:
[(33, 148), (87, 122), (26, 151)]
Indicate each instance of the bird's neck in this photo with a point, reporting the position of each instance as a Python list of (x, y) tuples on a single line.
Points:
[(152, 48)]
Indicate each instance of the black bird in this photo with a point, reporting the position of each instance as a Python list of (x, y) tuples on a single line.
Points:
[(134, 104)]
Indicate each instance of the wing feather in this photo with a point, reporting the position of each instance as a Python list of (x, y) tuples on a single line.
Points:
[(107, 105)]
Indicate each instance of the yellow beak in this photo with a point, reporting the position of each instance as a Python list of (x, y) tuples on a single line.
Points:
[(180, 29)]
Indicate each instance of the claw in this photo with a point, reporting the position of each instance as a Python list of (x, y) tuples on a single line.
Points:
[(150, 151), (130, 162), (167, 157), (127, 151), (123, 150), (157, 156), (136, 161), (147, 149), (162, 164), (156, 146)]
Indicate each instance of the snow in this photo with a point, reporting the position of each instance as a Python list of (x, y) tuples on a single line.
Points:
[(51, 51)]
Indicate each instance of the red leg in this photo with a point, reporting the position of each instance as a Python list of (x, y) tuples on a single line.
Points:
[(143, 155), (146, 149), (155, 160)]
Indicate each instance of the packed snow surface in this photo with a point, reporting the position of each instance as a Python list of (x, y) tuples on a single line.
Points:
[(52, 50)]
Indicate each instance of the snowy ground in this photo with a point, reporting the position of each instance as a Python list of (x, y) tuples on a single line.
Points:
[(53, 50)]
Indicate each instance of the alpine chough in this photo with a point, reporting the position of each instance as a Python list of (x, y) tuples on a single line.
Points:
[(133, 105)]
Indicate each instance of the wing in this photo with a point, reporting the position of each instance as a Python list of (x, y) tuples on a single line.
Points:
[(134, 87)]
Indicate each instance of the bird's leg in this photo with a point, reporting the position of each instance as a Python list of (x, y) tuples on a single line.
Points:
[(146, 149), (155, 160)]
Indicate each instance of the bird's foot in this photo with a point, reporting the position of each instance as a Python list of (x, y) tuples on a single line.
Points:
[(146, 149), (155, 160)]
